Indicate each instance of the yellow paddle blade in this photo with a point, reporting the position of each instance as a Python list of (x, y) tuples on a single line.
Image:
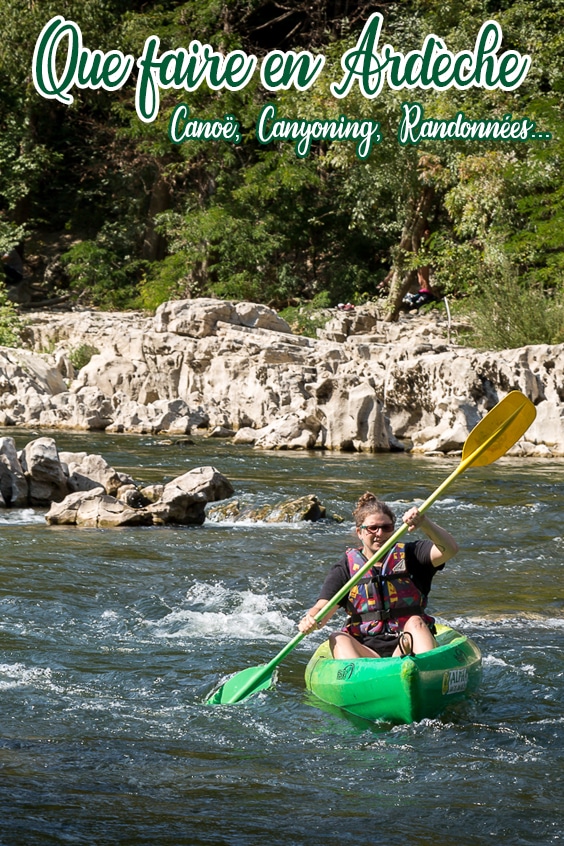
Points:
[(499, 429)]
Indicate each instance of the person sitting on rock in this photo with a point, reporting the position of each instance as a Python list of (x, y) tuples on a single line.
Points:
[(387, 607), (424, 294)]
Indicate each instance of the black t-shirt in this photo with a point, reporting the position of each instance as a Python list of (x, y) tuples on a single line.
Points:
[(417, 561)]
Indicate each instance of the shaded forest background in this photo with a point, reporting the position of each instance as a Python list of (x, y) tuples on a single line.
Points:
[(109, 213)]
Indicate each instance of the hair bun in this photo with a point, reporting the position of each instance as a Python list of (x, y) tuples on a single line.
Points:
[(367, 498), (369, 503)]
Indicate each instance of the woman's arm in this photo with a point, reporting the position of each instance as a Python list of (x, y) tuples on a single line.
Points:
[(444, 545)]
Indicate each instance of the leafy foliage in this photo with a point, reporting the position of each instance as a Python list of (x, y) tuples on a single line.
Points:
[(11, 324), (81, 355), (307, 317), (151, 220), (99, 275), (508, 315)]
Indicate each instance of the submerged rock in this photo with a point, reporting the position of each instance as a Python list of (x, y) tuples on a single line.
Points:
[(307, 508)]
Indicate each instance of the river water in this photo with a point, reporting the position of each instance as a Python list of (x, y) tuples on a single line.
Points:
[(111, 641)]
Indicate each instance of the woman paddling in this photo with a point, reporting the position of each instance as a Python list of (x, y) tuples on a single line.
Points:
[(387, 607)]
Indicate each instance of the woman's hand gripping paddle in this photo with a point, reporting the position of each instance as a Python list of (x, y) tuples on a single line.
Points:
[(487, 442)]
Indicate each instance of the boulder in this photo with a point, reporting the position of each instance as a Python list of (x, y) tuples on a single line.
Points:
[(13, 484), (40, 372), (296, 430), (45, 476), (83, 489), (184, 499), (172, 416), (152, 493), (132, 496), (246, 435), (199, 318), (221, 432), (353, 417), (95, 509), (341, 324), (86, 472), (86, 408), (28, 381)]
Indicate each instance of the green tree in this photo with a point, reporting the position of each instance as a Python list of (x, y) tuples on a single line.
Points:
[(147, 219)]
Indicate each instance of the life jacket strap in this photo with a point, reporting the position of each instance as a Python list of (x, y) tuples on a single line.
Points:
[(385, 614)]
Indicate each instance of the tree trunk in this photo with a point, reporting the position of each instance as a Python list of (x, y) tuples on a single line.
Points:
[(154, 243), (402, 277)]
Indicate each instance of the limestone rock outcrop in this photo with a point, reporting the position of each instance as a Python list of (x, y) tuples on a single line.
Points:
[(211, 365)]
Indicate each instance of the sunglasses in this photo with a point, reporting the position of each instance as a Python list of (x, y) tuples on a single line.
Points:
[(387, 527)]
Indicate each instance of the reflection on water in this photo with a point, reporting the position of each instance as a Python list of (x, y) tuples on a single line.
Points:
[(112, 641)]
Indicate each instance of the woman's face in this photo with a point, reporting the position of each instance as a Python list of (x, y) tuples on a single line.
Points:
[(375, 531)]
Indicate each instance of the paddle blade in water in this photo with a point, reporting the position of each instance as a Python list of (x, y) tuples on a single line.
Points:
[(241, 685), (499, 429)]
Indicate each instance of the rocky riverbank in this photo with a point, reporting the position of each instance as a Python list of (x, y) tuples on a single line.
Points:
[(237, 370)]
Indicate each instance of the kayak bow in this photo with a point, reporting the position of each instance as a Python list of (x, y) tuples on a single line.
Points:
[(398, 690)]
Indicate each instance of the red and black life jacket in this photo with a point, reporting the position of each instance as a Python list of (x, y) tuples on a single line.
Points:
[(385, 597)]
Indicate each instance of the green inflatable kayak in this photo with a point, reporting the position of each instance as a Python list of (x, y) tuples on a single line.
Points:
[(399, 690)]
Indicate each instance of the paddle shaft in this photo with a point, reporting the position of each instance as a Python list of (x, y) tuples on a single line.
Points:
[(263, 672)]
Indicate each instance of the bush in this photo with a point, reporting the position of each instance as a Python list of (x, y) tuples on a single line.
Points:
[(11, 324), (165, 280), (307, 318), (508, 315), (80, 356), (102, 277)]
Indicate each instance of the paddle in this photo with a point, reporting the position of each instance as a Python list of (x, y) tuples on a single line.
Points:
[(488, 441)]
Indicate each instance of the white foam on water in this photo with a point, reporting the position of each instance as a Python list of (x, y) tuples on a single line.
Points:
[(494, 661), (20, 517), (110, 615), (400, 506), (208, 596), (212, 522), (495, 622), (528, 669), (18, 675), (242, 615)]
